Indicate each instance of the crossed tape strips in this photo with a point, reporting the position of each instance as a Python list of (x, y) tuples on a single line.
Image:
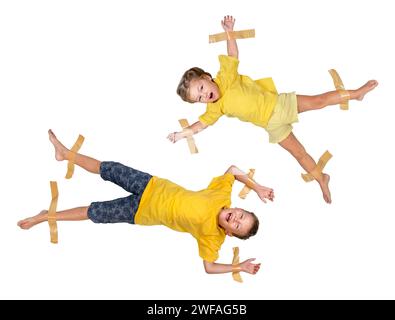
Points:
[(246, 189), (231, 35), (73, 151), (317, 171), (191, 142), (345, 95)]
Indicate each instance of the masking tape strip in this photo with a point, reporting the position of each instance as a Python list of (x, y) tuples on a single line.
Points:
[(191, 142), (236, 269), (231, 35), (246, 189), (317, 171), (70, 165), (345, 95), (53, 228)]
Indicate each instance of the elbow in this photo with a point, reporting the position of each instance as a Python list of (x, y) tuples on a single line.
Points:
[(231, 169), (208, 267)]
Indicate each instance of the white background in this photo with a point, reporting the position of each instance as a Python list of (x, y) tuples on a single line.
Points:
[(109, 70)]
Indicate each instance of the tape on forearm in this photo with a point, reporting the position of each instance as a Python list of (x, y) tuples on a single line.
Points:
[(231, 35), (344, 94), (235, 265), (249, 184), (317, 171), (53, 228), (191, 142), (70, 165)]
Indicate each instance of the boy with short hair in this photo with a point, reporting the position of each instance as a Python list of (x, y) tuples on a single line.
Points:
[(205, 214)]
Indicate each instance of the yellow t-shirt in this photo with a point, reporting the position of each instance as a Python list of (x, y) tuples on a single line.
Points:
[(241, 97), (166, 203)]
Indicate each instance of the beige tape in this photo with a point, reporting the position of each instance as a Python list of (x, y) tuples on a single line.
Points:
[(247, 188), (236, 269), (317, 171), (191, 142), (70, 165), (53, 228), (230, 35), (345, 95)]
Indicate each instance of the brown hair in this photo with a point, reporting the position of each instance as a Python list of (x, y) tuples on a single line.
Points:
[(185, 82), (254, 228)]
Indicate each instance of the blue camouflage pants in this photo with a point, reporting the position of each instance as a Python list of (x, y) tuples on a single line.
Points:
[(122, 209)]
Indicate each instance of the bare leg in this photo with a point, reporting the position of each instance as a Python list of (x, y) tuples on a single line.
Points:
[(307, 103), (294, 147), (75, 214), (62, 153)]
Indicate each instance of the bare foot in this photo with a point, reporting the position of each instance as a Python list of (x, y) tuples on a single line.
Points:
[(325, 188), (32, 221), (60, 149), (368, 86)]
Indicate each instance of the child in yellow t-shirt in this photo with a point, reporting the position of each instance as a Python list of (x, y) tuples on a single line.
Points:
[(258, 102), (205, 214)]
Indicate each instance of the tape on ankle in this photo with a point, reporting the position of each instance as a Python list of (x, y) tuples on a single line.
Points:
[(344, 94), (191, 142), (231, 35), (247, 187), (317, 171), (235, 265), (53, 228), (74, 149)]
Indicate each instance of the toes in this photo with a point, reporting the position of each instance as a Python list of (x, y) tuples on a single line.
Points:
[(328, 199), (372, 84)]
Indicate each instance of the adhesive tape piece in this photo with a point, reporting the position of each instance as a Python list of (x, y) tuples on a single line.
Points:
[(345, 95), (53, 228), (246, 189), (231, 35), (236, 260), (70, 165), (191, 142), (317, 171)]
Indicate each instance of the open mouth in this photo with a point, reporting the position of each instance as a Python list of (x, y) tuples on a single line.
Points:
[(228, 216), (211, 95)]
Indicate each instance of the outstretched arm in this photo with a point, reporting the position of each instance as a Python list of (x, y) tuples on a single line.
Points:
[(228, 24), (194, 128), (262, 191), (246, 266)]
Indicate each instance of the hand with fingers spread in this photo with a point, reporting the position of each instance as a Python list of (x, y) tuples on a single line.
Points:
[(249, 267), (265, 193), (228, 23)]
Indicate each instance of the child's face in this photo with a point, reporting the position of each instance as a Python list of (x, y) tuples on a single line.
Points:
[(203, 90), (235, 221)]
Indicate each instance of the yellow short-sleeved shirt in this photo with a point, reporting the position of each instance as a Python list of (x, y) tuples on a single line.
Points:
[(166, 203), (241, 97)]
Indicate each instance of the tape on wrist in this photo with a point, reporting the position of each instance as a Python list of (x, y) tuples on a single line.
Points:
[(248, 186), (235, 265), (231, 35), (191, 142)]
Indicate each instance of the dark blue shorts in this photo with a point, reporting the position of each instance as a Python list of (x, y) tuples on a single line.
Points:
[(122, 209)]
